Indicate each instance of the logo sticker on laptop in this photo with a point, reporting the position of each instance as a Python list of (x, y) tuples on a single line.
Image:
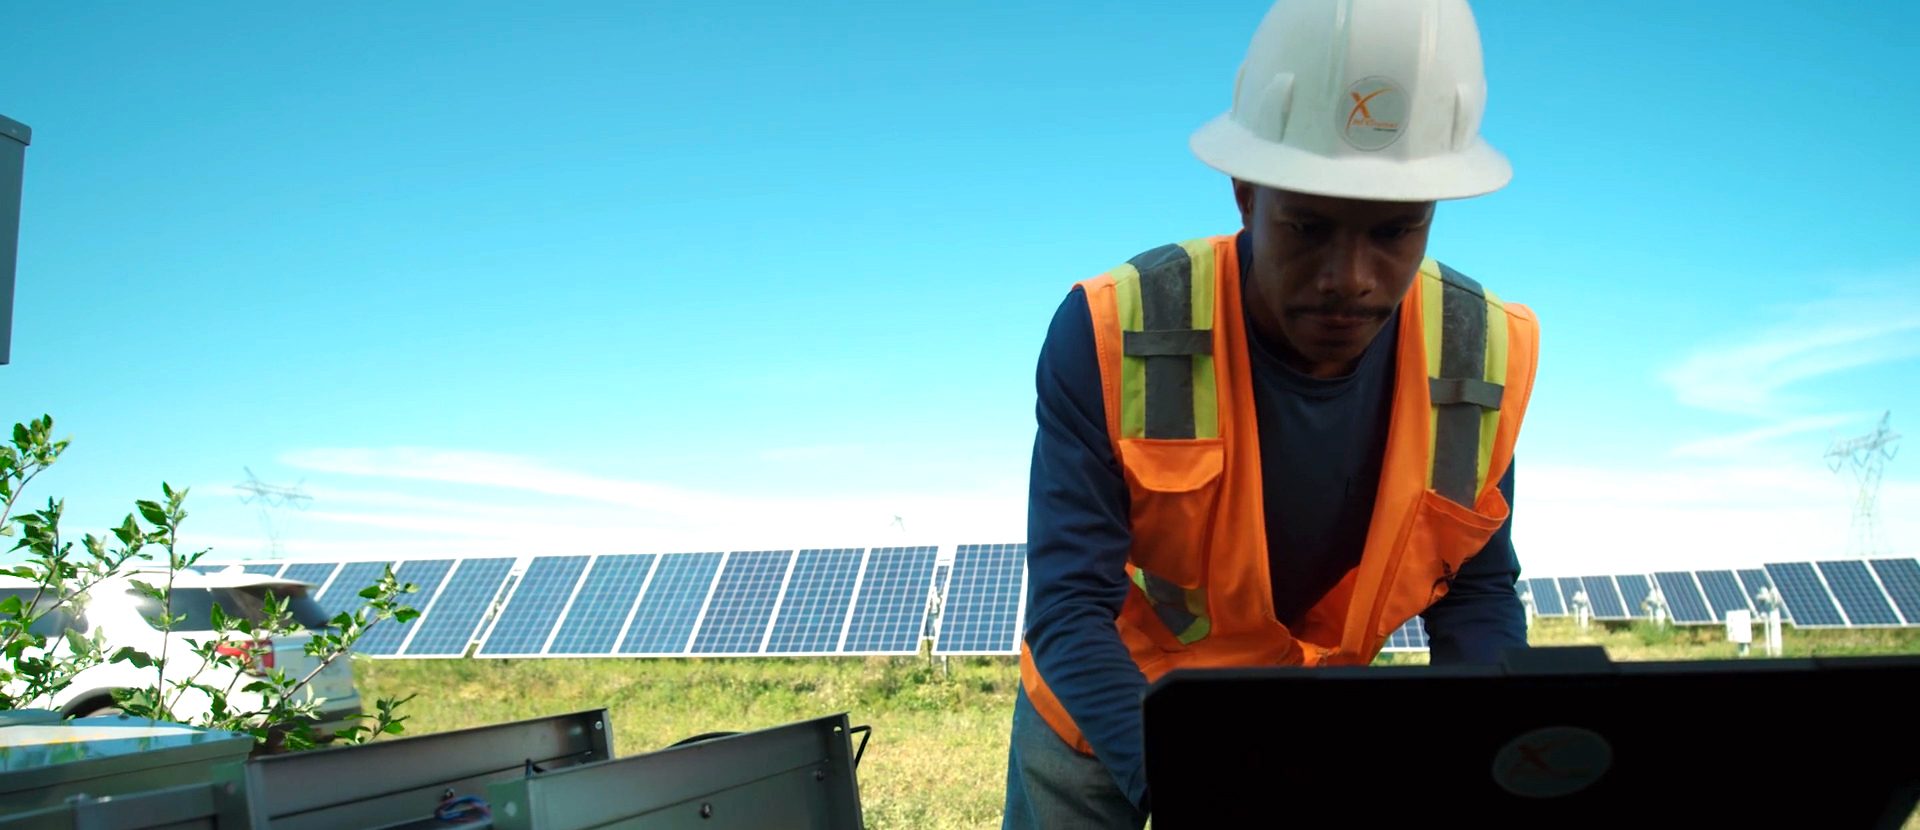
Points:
[(1553, 762)]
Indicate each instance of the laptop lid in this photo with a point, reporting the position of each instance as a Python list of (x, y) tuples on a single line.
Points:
[(1556, 738)]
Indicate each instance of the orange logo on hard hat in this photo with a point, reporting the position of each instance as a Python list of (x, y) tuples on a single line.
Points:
[(1378, 115)]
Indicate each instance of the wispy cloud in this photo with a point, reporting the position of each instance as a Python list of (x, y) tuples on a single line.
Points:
[(1865, 326), (1742, 445)]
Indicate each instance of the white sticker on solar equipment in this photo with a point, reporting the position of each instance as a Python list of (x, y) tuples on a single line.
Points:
[(1553, 762)]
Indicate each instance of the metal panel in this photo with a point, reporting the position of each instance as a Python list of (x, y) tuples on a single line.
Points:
[(384, 783), (1685, 604), (799, 775), (605, 602), (457, 613), (14, 137), (670, 608), (1859, 594), (742, 605), (891, 608), (1803, 591), (186, 807), (813, 612), (981, 605), (528, 617)]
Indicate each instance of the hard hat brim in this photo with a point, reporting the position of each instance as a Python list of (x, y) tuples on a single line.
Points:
[(1230, 148)]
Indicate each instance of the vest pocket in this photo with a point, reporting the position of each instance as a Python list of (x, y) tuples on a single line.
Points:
[(1444, 535), (1175, 488)]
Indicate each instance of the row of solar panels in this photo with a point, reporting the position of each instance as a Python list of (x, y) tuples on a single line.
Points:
[(1849, 593), (817, 602)]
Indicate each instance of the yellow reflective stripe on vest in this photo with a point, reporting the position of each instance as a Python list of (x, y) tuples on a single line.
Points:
[(1182, 610), (1465, 328), (1167, 382)]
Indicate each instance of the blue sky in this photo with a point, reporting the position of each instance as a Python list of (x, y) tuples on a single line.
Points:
[(617, 277)]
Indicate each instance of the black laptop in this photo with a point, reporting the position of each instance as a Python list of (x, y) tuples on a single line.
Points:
[(1556, 738)]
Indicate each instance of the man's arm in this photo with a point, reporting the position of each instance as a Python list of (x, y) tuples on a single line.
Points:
[(1481, 615), (1077, 540)]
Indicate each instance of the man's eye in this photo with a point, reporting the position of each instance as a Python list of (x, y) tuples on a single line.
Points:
[(1391, 232), (1302, 228)]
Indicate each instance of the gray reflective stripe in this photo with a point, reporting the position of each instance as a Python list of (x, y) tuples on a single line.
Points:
[(1447, 391), (1169, 603), (1166, 305), (1167, 343), (1463, 357)]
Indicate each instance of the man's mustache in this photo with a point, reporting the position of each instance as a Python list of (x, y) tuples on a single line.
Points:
[(1340, 308)]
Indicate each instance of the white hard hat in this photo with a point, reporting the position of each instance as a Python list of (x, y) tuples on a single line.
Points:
[(1363, 99)]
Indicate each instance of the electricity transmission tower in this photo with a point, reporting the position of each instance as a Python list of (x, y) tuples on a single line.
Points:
[(1867, 457), (270, 496)]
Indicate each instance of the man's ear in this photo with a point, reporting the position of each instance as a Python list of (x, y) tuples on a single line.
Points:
[(1244, 195)]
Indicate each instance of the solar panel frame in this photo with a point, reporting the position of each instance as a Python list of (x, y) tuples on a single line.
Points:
[(385, 637), (817, 603), (1858, 592), (680, 586), (980, 606), (461, 609), (890, 601), (1607, 604), (1634, 590), (1804, 592), (1546, 597), (602, 606), (1901, 580), (1685, 604), (740, 608), (554, 580)]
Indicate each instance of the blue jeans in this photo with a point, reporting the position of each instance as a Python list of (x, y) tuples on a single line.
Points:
[(1050, 786)]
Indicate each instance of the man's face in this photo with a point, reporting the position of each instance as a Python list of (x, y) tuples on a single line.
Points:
[(1328, 272)]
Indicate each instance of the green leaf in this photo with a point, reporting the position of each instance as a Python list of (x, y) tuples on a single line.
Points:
[(404, 614), (12, 606), (154, 513)]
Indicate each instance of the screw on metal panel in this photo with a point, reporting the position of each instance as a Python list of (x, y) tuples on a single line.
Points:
[(598, 726), (819, 775), (447, 794), (706, 811), (232, 788), (513, 809)]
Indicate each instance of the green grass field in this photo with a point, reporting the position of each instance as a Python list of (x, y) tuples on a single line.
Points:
[(937, 758)]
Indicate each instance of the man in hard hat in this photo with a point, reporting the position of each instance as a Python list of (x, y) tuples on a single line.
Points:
[(1274, 447)]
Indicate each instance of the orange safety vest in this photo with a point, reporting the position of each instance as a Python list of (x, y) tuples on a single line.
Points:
[(1174, 372)]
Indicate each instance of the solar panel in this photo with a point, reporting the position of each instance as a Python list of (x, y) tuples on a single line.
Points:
[(1546, 598), (980, 613), (1800, 586), (1634, 590), (890, 603), (1684, 602), (385, 637), (529, 616), (267, 568), (1753, 580), (813, 611), (599, 613), (1571, 587), (449, 624), (1902, 580), (312, 573), (668, 610), (342, 595), (1723, 593), (1411, 636), (1605, 597), (1859, 595), (742, 605)]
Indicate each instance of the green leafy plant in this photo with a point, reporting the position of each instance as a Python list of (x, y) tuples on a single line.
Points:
[(279, 710)]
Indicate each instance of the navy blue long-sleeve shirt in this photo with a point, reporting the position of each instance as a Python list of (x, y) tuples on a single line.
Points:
[(1322, 445)]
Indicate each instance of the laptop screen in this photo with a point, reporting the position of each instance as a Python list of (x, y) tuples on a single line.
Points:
[(1571, 743)]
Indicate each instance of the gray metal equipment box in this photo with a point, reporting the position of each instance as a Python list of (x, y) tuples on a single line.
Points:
[(13, 157), (42, 764)]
